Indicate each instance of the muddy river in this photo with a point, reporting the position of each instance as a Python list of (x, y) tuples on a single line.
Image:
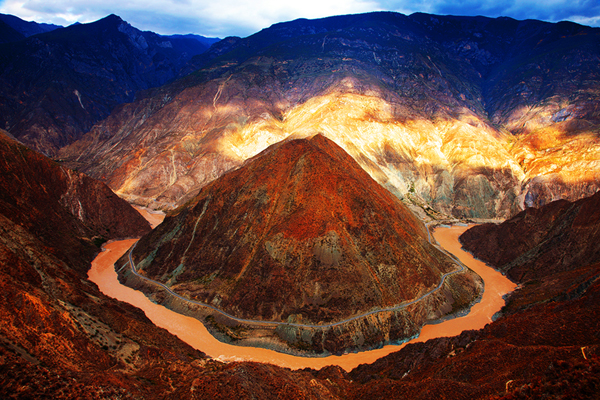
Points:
[(194, 333)]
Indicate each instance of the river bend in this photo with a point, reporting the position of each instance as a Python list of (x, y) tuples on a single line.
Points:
[(195, 333)]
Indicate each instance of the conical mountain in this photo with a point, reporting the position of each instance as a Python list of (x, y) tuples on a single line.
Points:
[(302, 233)]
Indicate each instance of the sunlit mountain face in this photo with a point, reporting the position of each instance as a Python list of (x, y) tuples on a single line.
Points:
[(463, 117)]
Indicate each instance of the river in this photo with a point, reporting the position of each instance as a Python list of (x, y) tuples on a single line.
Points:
[(195, 334)]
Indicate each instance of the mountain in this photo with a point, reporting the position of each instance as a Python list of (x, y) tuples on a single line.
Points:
[(26, 28), (8, 34), (64, 209), (204, 40), (300, 233), (559, 237), (59, 336), (56, 85), (466, 117)]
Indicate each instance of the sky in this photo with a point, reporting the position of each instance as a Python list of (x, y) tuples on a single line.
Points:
[(222, 18)]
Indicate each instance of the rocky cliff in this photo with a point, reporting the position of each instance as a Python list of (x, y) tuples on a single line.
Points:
[(464, 117), (55, 86), (301, 234)]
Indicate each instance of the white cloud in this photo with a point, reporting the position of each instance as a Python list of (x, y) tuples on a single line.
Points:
[(243, 17), (207, 17)]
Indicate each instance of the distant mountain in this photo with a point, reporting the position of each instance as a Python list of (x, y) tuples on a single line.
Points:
[(9, 34), (26, 28), (55, 86), (204, 40), (302, 234), (466, 117)]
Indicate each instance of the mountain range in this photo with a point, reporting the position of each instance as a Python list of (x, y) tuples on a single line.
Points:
[(462, 117), (56, 84)]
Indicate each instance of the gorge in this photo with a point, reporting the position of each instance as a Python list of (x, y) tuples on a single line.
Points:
[(195, 333), (299, 170)]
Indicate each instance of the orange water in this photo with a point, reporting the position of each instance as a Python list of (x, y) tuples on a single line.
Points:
[(153, 217), (194, 333)]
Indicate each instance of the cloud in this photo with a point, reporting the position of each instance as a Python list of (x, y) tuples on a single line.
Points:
[(207, 17), (584, 11), (243, 17)]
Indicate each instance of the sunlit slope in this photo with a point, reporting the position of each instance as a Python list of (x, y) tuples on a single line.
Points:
[(163, 158), (446, 112)]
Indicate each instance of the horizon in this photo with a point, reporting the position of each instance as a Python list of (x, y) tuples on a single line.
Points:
[(233, 18)]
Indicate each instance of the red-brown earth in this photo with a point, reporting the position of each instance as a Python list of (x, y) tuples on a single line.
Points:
[(302, 234), (544, 345), (542, 241)]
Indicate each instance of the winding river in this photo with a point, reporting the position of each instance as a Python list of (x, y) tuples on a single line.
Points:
[(194, 333)]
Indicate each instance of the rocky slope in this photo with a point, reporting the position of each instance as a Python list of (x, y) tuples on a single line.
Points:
[(64, 209), (465, 117), (59, 336), (302, 234), (546, 341), (558, 237), (55, 86)]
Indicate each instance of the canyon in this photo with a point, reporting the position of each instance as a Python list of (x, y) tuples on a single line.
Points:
[(193, 331), (309, 146)]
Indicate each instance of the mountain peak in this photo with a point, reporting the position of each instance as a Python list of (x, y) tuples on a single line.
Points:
[(301, 232)]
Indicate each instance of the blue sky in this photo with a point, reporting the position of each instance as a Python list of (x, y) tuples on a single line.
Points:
[(221, 18)]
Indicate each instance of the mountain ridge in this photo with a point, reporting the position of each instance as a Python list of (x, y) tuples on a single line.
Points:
[(58, 84), (407, 101)]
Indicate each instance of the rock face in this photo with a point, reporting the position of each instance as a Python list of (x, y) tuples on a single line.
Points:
[(301, 234), (464, 117), (559, 237), (56, 85)]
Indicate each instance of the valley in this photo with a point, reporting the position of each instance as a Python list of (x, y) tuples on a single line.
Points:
[(366, 206)]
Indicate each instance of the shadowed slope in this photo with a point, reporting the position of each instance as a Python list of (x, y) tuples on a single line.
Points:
[(558, 237)]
